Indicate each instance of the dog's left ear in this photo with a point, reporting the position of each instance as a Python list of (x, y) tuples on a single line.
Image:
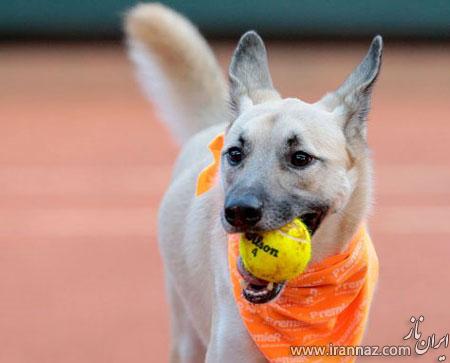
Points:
[(250, 81), (351, 101)]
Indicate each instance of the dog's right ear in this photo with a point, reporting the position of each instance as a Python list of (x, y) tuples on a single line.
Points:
[(250, 81)]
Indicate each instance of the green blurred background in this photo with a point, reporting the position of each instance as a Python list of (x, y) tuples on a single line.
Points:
[(84, 19)]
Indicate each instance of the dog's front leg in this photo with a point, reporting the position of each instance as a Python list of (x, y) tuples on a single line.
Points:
[(229, 340), (186, 345)]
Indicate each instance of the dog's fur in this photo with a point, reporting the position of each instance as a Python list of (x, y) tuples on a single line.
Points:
[(179, 71)]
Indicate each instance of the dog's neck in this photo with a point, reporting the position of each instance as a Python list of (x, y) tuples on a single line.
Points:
[(337, 230)]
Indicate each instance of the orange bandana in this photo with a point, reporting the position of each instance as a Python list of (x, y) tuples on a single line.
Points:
[(327, 304), (207, 177)]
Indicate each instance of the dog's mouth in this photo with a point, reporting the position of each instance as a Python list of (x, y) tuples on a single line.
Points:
[(255, 290), (259, 291), (313, 219)]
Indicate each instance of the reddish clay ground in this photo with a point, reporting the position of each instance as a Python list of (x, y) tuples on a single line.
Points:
[(84, 164)]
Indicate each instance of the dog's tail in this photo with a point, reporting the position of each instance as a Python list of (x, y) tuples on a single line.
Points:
[(177, 69)]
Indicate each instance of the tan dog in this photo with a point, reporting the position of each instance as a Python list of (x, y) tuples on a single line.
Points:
[(282, 158)]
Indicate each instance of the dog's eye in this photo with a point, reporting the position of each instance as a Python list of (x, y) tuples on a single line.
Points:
[(300, 158), (234, 155)]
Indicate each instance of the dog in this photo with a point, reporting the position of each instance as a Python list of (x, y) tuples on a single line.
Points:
[(282, 158)]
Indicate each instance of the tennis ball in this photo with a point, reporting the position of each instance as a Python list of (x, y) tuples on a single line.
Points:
[(277, 255)]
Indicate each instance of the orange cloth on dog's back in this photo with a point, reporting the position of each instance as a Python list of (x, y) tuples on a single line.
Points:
[(207, 176), (328, 303)]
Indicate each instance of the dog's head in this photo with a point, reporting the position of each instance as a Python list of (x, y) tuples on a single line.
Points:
[(285, 158)]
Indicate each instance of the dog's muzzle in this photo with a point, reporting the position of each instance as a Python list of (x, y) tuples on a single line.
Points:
[(259, 291)]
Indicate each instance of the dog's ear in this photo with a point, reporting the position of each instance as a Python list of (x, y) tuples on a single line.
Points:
[(352, 99), (250, 81)]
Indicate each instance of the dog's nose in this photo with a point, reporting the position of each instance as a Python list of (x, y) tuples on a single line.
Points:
[(244, 211)]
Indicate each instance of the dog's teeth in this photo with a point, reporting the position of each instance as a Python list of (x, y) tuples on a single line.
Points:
[(270, 286)]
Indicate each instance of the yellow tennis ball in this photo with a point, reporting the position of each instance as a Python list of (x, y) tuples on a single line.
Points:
[(277, 255)]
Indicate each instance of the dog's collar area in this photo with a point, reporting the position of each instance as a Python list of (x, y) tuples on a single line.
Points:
[(331, 297), (207, 177)]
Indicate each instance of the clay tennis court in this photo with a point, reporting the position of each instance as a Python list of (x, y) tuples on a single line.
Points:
[(84, 163)]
